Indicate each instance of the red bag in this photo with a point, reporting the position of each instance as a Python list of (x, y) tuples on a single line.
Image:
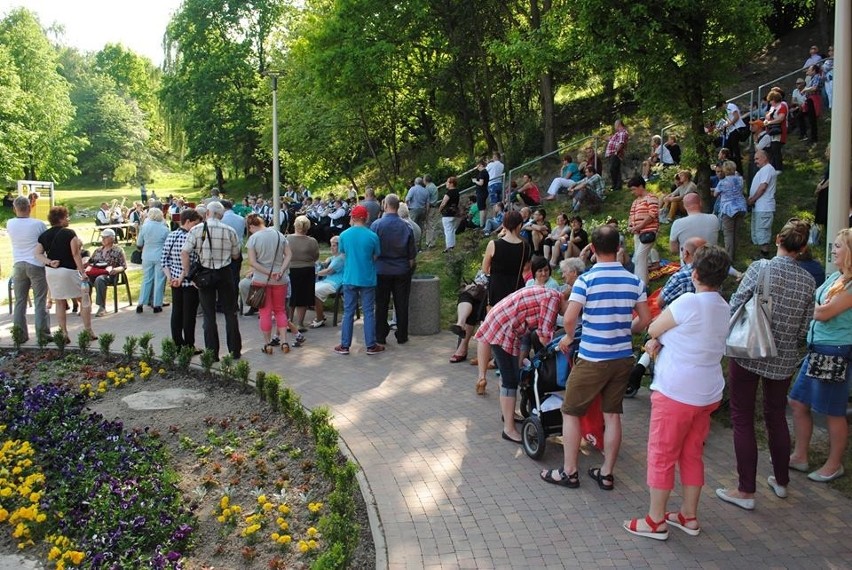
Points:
[(592, 424), (92, 271)]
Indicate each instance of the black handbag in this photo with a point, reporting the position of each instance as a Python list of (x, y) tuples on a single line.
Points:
[(648, 237), (203, 277), (136, 256), (829, 368)]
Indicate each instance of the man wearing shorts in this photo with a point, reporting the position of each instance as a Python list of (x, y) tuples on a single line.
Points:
[(480, 181), (606, 295), (761, 197)]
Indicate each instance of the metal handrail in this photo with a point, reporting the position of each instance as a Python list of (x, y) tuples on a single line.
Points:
[(800, 70), (734, 98), (465, 173), (754, 94), (560, 150)]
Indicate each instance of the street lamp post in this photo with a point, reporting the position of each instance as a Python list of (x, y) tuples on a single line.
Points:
[(276, 184)]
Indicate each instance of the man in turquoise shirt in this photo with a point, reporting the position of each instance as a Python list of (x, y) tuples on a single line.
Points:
[(360, 247)]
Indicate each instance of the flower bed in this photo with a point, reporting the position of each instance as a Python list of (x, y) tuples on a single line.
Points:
[(223, 483)]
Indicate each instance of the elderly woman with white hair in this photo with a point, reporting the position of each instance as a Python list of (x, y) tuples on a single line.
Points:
[(152, 236)]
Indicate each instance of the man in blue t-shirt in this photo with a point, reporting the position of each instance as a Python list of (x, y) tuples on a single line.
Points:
[(360, 246)]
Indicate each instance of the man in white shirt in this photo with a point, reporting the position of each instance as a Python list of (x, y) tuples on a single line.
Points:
[(761, 197), (495, 170), (27, 273)]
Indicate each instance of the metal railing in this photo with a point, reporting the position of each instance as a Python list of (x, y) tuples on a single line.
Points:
[(753, 95), (572, 145)]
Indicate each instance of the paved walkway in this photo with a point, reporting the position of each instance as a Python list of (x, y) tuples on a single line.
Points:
[(451, 494)]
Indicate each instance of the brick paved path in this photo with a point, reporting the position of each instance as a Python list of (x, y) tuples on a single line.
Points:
[(451, 494)]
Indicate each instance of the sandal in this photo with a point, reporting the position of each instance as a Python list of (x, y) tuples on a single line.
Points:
[(605, 482), (680, 522), (632, 526), (480, 386), (300, 340), (571, 481), (317, 323), (458, 358)]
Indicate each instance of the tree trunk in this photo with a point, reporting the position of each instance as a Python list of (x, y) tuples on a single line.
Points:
[(822, 17), (547, 112), (702, 152), (366, 134), (220, 177)]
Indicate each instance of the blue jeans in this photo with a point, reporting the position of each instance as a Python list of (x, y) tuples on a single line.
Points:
[(153, 284), (351, 296), (495, 192), (510, 370)]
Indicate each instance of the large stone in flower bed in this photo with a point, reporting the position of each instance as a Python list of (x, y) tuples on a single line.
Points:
[(15, 562), (163, 399)]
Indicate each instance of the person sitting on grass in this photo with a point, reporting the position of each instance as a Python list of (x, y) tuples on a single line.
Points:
[(590, 188), (494, 223), (527, 193)]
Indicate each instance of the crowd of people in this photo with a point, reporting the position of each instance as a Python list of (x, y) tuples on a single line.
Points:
[(197, 250)]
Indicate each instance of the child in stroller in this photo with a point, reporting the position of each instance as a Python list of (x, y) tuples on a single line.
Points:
[(543, 382)]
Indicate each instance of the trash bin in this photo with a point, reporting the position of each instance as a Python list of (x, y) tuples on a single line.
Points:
[(424, 306)]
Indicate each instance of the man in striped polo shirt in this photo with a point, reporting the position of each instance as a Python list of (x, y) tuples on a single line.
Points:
[(606, 295)]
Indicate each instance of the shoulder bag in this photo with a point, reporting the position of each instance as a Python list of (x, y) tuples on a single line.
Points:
[(203, 277), (749, 331), (257, 292), (828, 368)]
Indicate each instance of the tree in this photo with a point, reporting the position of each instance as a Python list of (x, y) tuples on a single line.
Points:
[(12, 120), (679, 54), (47, 141), (214, 60)]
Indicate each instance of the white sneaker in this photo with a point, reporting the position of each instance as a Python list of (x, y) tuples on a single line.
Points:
[(780, 490)]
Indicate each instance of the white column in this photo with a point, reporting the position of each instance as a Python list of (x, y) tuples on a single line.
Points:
[(840, 175)]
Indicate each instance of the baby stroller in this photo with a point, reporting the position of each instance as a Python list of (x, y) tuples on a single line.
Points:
[(541, 389)]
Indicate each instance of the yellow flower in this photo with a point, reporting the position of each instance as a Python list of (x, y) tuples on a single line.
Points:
[(312, 544), (4, 514), (221, 519), (224, 502), (284, 510), (312, 532), (75, 556), (41, 517), (314, 507), (261, 499), (268, 507), (275, 536), (303, 546), (54, 553), (161, 371), (285, 539)]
